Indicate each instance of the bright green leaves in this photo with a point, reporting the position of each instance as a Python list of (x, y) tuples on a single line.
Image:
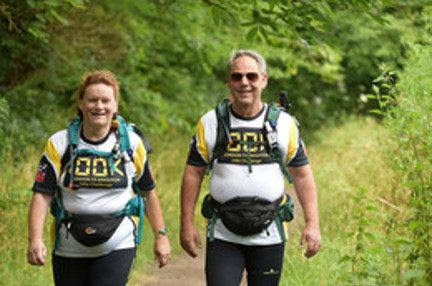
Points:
[(405, 104)]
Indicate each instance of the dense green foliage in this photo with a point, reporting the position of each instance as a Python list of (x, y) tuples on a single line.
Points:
[(406, 106), (412, 123), (170, 58), (26, 32)]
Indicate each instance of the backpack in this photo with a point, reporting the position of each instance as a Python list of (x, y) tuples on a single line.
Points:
[(122, 149), (249, 215), (269, 130)]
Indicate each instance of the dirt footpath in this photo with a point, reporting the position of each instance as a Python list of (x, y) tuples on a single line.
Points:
[(181, 271)]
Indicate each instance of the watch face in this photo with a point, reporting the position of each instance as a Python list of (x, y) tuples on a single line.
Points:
[(163, 231)]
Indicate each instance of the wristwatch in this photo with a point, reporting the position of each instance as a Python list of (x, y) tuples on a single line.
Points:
[(162, 231)]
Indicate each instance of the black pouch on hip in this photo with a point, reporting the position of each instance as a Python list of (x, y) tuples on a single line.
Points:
[(92, 230), (248, 215)]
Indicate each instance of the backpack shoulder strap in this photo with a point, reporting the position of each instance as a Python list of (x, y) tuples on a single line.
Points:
[(73, 135), (123, 134), (270, 123), (146, 142), (125, 147), (73, 130), (223, 137), (273, 112), (224, 125)]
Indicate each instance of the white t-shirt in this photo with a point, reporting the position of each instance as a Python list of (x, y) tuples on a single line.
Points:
[(104, 187), (231, 176)]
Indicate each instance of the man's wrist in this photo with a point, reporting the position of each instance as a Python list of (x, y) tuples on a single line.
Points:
[(313, 224)]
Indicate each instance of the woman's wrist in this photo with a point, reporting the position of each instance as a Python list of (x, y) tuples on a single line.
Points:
[(161, 232)]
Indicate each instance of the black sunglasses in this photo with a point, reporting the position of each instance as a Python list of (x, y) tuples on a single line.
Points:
[(251, 76)]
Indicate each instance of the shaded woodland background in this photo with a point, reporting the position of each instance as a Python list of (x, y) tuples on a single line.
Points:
[(341, 62)]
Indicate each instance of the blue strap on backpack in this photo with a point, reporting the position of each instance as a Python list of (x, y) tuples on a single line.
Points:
[(134, 207)]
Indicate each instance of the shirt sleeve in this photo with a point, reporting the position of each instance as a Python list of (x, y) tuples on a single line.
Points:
[(146, 181), (199, 154), (48, 170), (297, 156), (144, 177), (45, 179), (300, 159), (194, 157)]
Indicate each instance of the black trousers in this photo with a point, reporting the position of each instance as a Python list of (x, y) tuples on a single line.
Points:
[(112, 269), (225, 263)]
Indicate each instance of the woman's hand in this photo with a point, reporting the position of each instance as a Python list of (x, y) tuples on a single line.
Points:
[(36, 253), (162, 249)]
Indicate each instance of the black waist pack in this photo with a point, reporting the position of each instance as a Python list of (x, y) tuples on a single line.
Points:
[(247, 215), (92, 230)]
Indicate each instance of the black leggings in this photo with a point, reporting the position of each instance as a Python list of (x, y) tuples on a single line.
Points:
[(111, 269), (225, 263)]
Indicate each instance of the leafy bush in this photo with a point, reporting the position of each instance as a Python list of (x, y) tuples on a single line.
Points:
[(25, 33), (406, 107)]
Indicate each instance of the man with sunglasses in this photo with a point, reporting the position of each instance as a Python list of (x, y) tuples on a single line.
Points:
[(235, 178)]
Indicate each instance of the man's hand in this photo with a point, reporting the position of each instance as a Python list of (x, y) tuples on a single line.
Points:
[(191, 185), (190, 240), (312, 237)]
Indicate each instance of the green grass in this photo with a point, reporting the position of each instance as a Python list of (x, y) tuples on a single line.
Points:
[(356, 183), (15, 195)]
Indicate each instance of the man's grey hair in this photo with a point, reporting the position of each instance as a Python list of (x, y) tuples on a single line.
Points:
[(249, 53)]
